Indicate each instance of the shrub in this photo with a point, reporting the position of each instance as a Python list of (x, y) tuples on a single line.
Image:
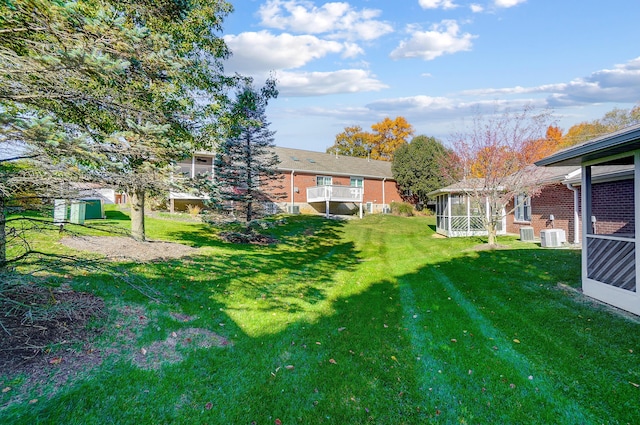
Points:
[(194, 210), (402, 208)]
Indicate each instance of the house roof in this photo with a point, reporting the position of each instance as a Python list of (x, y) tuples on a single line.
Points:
[(623, 141), (539, 175), (300, 160), (336, 165), (603, 173)]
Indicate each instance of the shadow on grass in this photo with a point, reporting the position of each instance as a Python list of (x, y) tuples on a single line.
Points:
[(437, 344), (116, 215)]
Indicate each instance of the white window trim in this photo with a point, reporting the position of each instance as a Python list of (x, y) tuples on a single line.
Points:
[(519, 209), (324, 177), (356, 177)]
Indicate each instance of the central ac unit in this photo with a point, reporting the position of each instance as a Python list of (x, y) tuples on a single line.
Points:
[(293, 209), (550, 238), (526, 234)]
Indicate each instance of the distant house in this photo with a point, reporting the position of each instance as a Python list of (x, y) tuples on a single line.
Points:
[(314, 183), (610, 256)]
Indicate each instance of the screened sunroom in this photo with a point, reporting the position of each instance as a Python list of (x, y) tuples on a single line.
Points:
[(459, 215)]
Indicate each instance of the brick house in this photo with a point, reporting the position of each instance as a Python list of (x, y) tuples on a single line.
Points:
[(556, 206), (312, 182)]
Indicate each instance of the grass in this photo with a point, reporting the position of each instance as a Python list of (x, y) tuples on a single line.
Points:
[(367, 321)]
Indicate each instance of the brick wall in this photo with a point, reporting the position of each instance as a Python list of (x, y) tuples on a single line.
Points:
[(555, 199), (373, 191), (612, 203)]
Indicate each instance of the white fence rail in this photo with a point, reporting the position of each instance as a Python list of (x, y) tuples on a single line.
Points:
[(334, 193)]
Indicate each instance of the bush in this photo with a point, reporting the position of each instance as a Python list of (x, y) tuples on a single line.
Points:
[(402, 208), (194, 210)]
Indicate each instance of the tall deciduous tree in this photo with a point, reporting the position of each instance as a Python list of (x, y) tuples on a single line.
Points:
[(121, 75), (418, 167), (353, 141), (245, 165), (388, 136), (492, 150)]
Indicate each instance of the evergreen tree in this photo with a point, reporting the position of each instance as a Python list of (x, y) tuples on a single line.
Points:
[(417, 167), (245, 165), (119, 78)]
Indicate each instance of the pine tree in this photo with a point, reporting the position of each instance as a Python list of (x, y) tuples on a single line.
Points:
[(246, 163)]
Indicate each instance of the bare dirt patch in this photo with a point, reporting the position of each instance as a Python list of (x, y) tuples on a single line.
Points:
[(119, 248), (170, 350)]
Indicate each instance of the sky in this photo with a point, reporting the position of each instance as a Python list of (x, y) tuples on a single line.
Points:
[(437, 63)]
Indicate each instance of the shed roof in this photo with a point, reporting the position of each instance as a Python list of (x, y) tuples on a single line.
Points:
[(625, 140), (323, 163)]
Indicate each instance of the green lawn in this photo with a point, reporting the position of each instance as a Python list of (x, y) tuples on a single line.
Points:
[(366, 321)]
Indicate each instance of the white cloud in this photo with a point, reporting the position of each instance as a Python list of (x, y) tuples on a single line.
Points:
[(335, 19), (437, 4), (620, 84), (443, 38), (476, 8), (262, 51), (508, 3), (294, 84), (412, 103)]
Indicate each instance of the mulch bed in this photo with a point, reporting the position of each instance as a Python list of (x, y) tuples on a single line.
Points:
[(35, 338)]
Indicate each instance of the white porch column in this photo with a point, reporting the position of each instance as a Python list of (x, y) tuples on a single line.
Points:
[(448, 214), (636, 202)]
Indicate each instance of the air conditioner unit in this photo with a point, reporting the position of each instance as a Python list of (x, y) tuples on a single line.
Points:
[(526, 234), (293, 209), (550, 238)]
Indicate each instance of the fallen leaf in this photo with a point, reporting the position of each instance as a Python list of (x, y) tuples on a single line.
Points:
[(394, 359), (55, 360), (318, 343), (632, 383), (517, 341), (341, 329), (278, 422), (174, 335), (208, 406), (289, 367), (332, 361), (33, 401), (143, 351), (454, 340), (6, 389)]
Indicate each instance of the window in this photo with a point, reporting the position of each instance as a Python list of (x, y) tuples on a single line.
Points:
[(323, 180), (522, 210), (356, 182)]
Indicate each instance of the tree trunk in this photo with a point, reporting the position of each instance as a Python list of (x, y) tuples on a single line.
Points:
[(3, 236), (137, 215), (491, 233), (249, 211)]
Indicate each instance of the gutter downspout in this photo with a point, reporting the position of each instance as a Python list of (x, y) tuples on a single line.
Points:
[(576, 224), (292, 192), (384, 203)]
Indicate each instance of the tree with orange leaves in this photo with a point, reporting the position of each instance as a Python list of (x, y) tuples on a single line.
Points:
[(388, 136), (495, 153)]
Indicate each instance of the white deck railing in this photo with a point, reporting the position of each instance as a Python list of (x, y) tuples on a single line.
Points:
[(334, 193)]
